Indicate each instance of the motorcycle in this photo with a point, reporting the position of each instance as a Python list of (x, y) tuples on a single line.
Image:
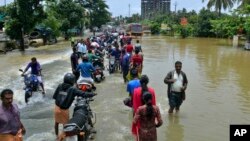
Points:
[(113, 64), (31, 85), (80, 126), (111, 67), (98, 75), (99, 52), (85, 86)]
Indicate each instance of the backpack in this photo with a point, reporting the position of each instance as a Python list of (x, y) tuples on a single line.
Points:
[(61, 97)]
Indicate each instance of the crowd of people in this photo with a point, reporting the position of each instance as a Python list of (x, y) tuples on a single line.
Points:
[(141, 97)]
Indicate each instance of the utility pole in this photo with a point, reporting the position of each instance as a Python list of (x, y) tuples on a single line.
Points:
[(175, 5), (128, 10)]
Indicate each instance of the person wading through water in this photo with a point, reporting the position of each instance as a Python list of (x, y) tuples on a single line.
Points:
[(64, 97), (149, 117), (138, 99), (132, 84), (74, 63), (125, 62), (177, 84)]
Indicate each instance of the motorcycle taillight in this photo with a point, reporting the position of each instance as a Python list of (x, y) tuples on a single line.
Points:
[(71, 133), (84, 87)]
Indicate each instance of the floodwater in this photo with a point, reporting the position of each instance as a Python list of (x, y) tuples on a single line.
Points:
[(218, 92)]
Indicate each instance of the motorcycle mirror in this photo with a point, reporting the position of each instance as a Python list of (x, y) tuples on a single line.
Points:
[(20, 70)]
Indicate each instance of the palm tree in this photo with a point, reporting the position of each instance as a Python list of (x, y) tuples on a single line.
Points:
[(243, 3), (219, 4)]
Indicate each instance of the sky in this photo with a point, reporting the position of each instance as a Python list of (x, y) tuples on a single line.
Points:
[(121, 7)]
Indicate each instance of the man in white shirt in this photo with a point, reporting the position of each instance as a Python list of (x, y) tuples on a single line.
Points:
[(177, 84)]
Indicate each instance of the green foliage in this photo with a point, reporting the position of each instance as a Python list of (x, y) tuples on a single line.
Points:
[(220, 4), (2, 10), (52, 22), (155, 27), (243, 10), (203, 25), (69, 13), (183, 31), (23, 15), (98, 12), (206, 23), (135, 18), (247, 27), (226, 27)]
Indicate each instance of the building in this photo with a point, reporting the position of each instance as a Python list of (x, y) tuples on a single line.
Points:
[(151, 8)]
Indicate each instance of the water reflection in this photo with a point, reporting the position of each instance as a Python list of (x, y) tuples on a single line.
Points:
[(174, 130)]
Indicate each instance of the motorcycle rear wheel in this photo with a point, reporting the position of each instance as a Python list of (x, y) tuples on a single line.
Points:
[(111, 69), (28, 94)]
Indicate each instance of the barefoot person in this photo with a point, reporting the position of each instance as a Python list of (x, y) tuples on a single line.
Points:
[(177, 84)]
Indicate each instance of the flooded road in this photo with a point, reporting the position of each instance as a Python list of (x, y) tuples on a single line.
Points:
[(218, 92)]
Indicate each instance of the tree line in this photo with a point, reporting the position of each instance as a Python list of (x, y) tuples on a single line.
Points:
[(22, 16), (205, 23)]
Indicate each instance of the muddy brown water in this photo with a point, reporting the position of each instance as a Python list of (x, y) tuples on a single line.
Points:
[(218, 92)]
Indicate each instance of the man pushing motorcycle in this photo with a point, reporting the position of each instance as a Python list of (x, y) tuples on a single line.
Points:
[(35, 70), (64, 97)]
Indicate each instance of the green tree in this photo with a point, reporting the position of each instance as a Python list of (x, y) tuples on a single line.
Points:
[(135, 18), (220, 4), (226, 27), (2, 10), (23, 15), (70, 14), (243, 3), (155, 27), (52, 21), (100, 14), (204, 27), (98, 11)]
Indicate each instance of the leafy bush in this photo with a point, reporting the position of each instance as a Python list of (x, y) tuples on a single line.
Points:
[(155, 28)]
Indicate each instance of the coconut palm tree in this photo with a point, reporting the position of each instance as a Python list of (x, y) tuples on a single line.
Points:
[(219, 4), (243, 3)]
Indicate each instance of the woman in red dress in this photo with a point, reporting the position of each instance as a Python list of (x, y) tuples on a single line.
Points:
[(138, 98), (149, 117)]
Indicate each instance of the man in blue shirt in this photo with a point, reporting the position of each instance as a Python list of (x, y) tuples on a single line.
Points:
[(134, 83), (86, 69), (125, 65), (36, 70)]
